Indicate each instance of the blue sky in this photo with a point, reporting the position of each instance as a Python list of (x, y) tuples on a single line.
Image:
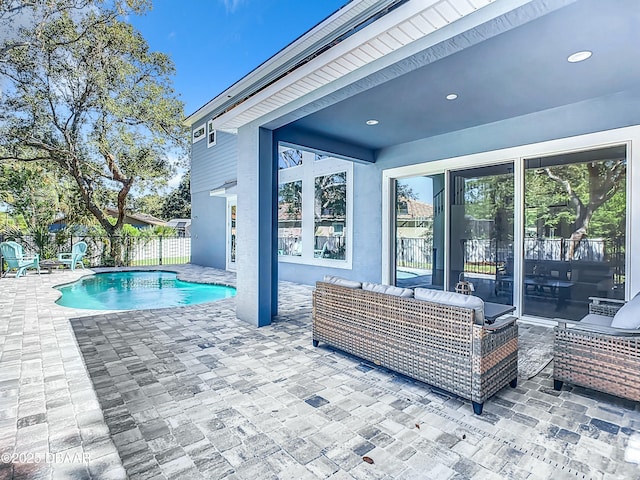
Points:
[(214, 43)]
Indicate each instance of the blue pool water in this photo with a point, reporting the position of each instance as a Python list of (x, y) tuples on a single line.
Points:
[(138, 291), (404, 274)]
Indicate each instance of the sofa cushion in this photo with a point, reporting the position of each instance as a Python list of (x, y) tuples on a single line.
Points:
[(629, 315), (388, 289), (342, 282), (595, 319), (452, 298)]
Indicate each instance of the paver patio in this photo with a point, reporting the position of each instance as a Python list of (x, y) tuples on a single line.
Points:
[(192, 392)]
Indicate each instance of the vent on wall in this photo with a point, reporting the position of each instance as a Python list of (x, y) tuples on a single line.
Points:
[(211, 134)]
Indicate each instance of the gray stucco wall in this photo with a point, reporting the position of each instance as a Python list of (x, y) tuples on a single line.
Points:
[(210, 168)]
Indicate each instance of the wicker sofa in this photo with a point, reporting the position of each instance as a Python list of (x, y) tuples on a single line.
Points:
[(602, 351), (436, 343)]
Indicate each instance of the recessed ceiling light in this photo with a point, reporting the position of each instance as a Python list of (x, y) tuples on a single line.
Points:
[(579, 56), (372, 122), (451, 96)]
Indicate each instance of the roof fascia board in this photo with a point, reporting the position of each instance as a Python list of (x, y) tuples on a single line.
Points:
[(289, 56), (321, 97)]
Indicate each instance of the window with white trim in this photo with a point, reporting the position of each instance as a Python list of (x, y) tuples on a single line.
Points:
[(314, 208), (198, 133), (211, 134)]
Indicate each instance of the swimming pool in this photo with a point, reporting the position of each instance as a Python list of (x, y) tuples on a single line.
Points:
[(138, 290)]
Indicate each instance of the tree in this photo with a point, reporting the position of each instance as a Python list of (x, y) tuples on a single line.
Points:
[(601, 182), (178, 202), (586, 198), (85, 95)]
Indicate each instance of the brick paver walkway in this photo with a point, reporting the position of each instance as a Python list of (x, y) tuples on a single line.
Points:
[(193, 393)]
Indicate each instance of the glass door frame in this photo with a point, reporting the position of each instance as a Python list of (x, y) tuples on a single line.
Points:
[(630, 136)]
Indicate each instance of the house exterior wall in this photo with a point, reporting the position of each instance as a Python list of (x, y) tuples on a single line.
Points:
[(210, 168), (208, 230), (366, 227), (213, 166), (599, 114)]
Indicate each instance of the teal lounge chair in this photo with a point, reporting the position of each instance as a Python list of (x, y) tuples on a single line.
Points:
[(13, 254), (75, 257)]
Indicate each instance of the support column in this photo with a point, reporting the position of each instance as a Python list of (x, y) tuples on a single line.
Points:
[(257, 271)]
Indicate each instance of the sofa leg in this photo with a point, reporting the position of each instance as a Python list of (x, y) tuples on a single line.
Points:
[(477, 407), (514, 383), (315, 343), (557, 384)]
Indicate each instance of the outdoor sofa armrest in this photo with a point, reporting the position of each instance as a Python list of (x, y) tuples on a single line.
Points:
[(500, 324), (597, 300), (605, 306), (589, 327)]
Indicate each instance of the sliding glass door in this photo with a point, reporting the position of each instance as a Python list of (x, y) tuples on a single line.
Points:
[(419, 232), (481, 202), (574, 231)]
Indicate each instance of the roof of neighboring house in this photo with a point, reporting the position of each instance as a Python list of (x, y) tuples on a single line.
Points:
[(417, 209), (179, 222), (285, 215), (140, 217)]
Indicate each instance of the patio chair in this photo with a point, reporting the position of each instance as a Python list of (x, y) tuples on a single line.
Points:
[(75, 257), (13, 254), (602, 351)]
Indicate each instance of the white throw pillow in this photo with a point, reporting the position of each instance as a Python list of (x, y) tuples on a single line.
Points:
[(343, 282), (629, 315), (452, 298), (388, 289)]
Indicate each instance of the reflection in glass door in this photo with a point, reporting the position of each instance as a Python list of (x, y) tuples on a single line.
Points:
[(231, 233), (419, 225), (574, 231), (481, 231)]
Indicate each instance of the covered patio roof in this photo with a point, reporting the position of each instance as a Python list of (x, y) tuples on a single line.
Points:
[(504, 59)]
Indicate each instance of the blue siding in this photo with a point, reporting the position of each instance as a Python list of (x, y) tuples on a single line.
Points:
[(210, 168), (213, 166)]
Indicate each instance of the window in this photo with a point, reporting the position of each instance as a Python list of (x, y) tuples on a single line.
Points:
[(289, 157), (314, 208), (198, 133), (330, 215), (290, 218), (211, 134)]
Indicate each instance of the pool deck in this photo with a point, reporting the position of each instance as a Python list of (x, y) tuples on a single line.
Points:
[(192, 393)]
